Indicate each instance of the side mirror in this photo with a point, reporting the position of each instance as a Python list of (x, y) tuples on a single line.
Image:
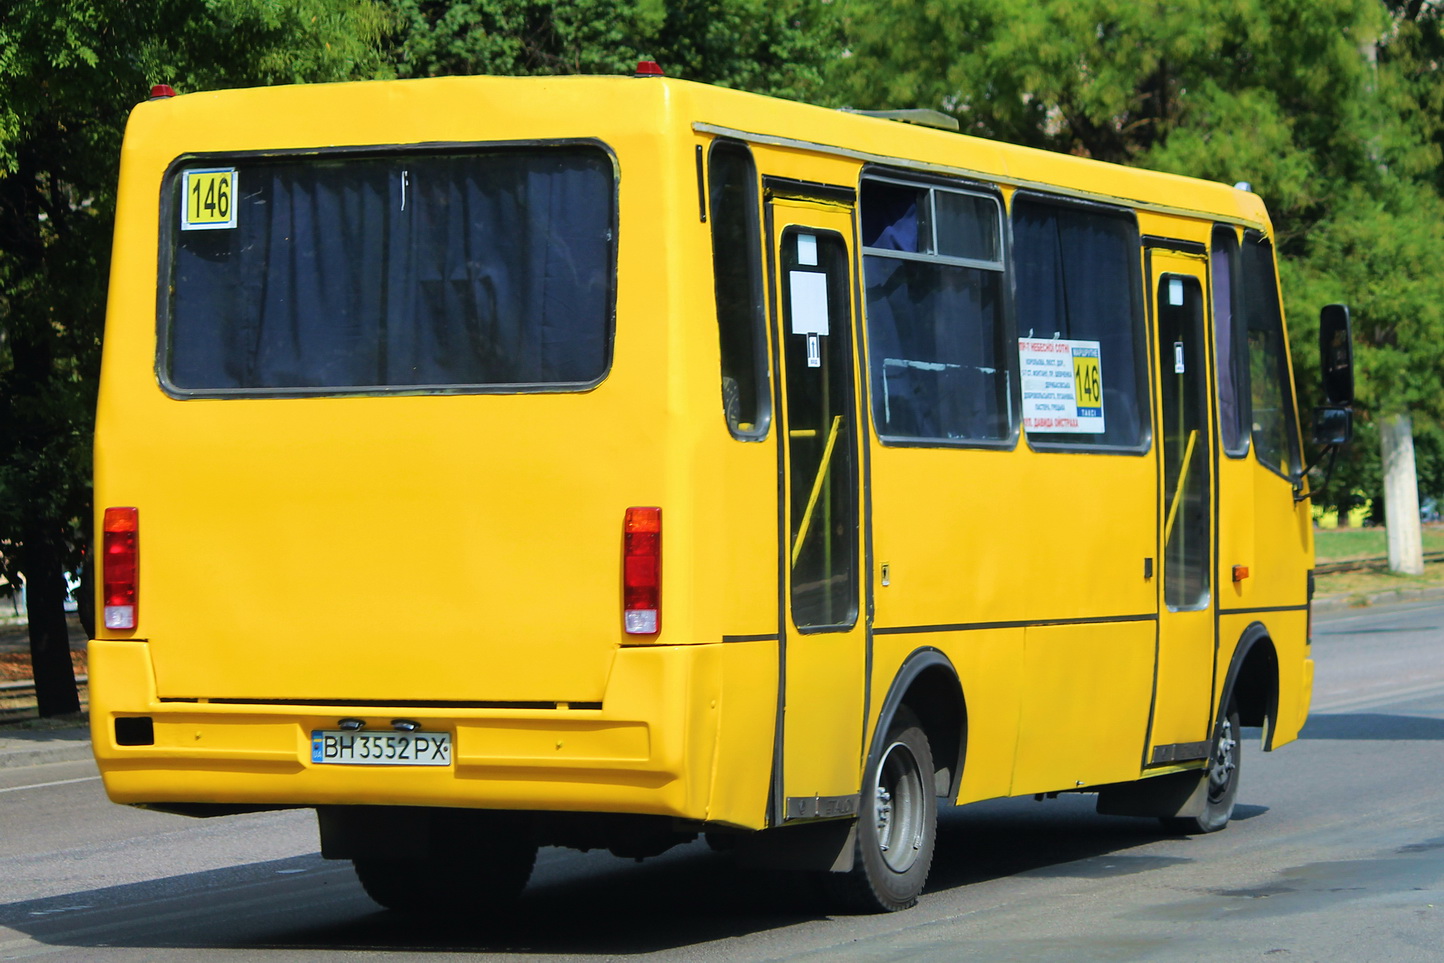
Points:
[(1336, 355), (1333, 425)]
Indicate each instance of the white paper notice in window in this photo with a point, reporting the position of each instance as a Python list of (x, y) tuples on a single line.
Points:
[(808, 291), (1062, 386), (807, 250)]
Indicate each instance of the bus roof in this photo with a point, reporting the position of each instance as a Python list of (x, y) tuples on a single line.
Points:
[(489, 109)]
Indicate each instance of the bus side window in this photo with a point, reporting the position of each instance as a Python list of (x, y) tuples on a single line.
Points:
[(1275, 428), (1077, 280), (1230, 342), (737, 264), (938, 345)]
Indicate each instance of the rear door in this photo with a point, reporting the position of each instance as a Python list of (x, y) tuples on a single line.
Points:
[(821, 565)]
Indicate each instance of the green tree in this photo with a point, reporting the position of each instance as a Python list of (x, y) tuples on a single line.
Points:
[(781, 48), (1265, 91), (1331, 109), (71, 70), (1378, 252)]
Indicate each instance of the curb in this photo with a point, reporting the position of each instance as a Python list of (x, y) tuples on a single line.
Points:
[(37, 747), (40, 755)]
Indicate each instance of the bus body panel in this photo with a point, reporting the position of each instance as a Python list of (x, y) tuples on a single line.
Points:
[(451, 569), (1085, 709)]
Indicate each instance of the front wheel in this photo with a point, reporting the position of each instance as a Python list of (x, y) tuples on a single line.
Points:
[(897, 825), (1222, 780)]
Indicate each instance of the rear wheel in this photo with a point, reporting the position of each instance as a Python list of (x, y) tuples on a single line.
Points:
[(477, 874), (1222, 779), (897, 825)]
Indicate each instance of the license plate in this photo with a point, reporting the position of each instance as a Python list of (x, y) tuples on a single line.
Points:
[(337, 747)]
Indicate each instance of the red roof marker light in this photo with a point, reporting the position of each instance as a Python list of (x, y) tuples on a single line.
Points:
[(648, 68), (160, 91)]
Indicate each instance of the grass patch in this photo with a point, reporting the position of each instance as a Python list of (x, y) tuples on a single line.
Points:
[(1342, 544), (1346, 544), (1361, 585)]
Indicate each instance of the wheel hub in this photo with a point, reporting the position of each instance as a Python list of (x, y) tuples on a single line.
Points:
[(884, 818), (898, 798), (1223, 766)]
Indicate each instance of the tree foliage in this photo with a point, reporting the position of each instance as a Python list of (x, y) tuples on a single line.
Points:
[(1333, 110), (1265, 91), (71, 70), (780, 47)]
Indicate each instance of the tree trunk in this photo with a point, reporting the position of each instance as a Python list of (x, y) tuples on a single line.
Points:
[(1401, 495), (55, 690)]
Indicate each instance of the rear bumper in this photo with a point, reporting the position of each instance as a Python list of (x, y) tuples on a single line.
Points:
[(672, 738)]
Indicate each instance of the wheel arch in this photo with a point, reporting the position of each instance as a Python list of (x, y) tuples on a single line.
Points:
[(927, 683), (1253, 681)]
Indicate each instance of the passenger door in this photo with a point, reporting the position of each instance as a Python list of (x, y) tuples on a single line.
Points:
[(819, 762), (1183, 687)]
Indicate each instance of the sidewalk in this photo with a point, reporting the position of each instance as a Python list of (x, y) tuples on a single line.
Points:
[(35, 742)]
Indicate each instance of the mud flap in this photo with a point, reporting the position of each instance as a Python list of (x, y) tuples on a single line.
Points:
[(1178, 794), (826, 846)]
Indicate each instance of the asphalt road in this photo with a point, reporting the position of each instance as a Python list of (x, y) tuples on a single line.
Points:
[(1336, 853)]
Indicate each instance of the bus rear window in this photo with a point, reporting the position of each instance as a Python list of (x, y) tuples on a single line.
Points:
[(332, 274)]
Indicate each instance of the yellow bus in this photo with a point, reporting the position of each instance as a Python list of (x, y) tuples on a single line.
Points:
[(490, 463)]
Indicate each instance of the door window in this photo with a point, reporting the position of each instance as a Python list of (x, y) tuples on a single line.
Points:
[(817, 354), (1183, 385)]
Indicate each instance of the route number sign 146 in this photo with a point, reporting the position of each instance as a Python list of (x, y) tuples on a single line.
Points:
[(208, 203)]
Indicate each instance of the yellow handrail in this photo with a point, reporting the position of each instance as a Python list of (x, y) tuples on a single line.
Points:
[(1178, 488), (816, 488)]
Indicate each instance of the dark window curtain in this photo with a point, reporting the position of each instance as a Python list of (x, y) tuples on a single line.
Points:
[(482, 269), (1077, 280), (243, 313), (968, 226), (737, 269)]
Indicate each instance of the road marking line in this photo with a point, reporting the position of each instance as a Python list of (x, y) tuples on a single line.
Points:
[(58, 782)]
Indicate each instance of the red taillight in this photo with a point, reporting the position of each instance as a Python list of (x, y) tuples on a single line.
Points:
[(120, 567), (642, 571)]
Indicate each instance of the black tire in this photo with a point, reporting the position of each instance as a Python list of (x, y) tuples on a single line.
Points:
[(480, 874), (897, 826), (726, 843), (1221, 776)]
